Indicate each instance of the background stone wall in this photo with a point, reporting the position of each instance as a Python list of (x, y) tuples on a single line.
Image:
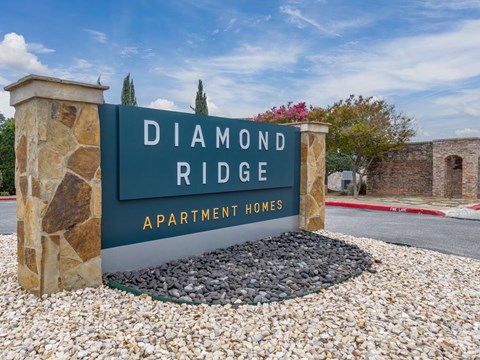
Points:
[(429, 168), (408, 171)]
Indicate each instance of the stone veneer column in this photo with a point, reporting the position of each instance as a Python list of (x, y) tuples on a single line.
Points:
[(439, 173), (470, 177), (312, 175), (469, 151), (58, 183)]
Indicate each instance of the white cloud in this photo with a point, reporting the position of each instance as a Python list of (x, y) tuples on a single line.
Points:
[(234, 78), (252, 59), (297, 18), (3, 81), (213, 109), (453, 5), (466, 102), (84, 71), (421, 133), (82, 64), (14, 55), (467, 132), (195, 39), (230, 24), (39, 48), (163, 104), (5, 108), (215, 32), (407, 64), (128, 51), (98, 36)]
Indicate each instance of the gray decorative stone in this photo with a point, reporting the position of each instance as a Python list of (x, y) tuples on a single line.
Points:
[(288, 265)]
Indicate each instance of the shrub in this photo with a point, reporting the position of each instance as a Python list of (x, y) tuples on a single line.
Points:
[(4, 193), (7, 156), (8, 174), (363, 189)]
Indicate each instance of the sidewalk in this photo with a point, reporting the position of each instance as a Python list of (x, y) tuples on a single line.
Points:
[(457, 208)]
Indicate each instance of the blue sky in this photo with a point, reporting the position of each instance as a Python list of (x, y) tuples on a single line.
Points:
[(423, 56)]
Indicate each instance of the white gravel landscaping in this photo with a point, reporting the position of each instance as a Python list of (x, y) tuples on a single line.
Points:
[(420, 304)]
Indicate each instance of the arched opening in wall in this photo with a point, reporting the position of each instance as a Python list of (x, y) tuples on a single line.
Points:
[(453, 176)]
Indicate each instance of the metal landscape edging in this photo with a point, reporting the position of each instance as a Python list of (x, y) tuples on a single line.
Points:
[(114, 285)]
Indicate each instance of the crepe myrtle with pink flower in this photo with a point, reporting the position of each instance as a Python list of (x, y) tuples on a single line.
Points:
[(291, 113)]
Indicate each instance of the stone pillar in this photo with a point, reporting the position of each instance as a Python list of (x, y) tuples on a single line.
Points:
[(470, 173), (58, 183), (469, 151), (439, 174), (312, 175)]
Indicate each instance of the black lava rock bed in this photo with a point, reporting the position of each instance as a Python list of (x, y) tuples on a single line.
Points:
[(275, 268)]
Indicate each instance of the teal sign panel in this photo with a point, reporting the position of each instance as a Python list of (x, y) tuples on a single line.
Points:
[(166, 174), (165, 153)]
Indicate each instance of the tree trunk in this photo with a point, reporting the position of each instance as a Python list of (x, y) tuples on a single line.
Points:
[(354, 179)]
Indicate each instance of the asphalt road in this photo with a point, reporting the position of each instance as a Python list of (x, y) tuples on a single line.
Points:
[(447, 235), (450, 236), (8, 220)]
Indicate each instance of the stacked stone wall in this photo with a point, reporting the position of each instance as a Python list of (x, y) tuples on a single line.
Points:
[(407, 171), (312, 176), (428, 168), (478, 187), (58, 182), (58, 188)]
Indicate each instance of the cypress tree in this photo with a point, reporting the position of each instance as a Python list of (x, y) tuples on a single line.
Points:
[(201, 107), (133, 99), (128, 92)]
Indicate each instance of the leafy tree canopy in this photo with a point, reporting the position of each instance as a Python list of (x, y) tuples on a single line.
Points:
[(7, 155), (365, 128), (362, 128), (336, 161), (2, 121)]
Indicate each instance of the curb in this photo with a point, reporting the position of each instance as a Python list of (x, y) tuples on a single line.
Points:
[(385, 208), (8, 198)]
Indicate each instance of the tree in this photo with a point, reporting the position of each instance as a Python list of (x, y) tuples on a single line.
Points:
[(2, 122), (285, 114), (366, 128), (291, 114), (201, 107), (336, 161), (128, 92), (7, 156)]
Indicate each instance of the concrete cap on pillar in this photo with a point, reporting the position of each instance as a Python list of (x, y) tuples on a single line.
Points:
[(311, 126), (36, 86)]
